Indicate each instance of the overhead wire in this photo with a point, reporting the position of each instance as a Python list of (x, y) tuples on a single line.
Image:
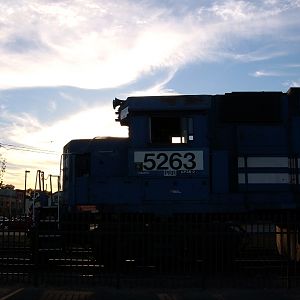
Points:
[(27, 149)]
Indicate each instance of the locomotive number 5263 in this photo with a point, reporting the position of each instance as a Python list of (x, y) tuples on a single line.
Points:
[(169, 160)]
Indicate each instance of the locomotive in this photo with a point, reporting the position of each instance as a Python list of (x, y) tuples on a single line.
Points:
[(221, 153), (192, 154)]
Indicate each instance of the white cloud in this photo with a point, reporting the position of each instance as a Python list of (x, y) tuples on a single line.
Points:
[(233, 10), (292, 83), (262, 73), (295, 83), (258, 55), (52, 106), (157, 88), (97, 44), (96, 121)]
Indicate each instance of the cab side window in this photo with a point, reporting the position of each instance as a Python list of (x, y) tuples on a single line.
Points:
[(171, 130), (82, 165)]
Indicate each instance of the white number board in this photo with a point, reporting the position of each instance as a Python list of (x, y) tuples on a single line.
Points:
[(169, 160)]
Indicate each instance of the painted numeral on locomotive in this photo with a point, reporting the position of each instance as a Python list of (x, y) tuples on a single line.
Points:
[(162, 164), (169, 160)]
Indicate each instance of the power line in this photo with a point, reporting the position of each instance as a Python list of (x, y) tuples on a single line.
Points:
[(27, 149)]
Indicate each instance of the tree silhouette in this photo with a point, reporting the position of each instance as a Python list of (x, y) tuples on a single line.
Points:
[(2, 170)]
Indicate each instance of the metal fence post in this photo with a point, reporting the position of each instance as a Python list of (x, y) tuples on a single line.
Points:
[(35, 254), (118, 252)]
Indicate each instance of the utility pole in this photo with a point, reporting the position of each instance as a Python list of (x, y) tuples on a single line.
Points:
[(24, 204)]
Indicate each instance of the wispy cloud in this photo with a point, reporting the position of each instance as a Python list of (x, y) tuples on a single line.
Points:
[(292, 83), (96, 44), (157, 88), (262, 73), (28, 130), (265, 53), (31, 132), (295, 65), (295, 83), (52, 106)]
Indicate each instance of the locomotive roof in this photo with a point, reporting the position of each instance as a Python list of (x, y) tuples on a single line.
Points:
[(84, 145), (196, 102), (187, 102), (174, 102)]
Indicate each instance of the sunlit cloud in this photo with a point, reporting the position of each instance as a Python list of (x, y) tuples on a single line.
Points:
[(295, 83), (262, 73), (157, 88), (98, 44), (292, 83), (96, 121), (259, 55)]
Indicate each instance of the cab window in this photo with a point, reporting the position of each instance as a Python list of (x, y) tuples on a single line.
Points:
[(171, 130), (82, 165)]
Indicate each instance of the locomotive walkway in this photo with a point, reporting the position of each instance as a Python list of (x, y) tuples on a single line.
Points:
[(19, 293)]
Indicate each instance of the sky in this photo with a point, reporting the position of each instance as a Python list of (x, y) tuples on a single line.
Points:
[(62, 62)]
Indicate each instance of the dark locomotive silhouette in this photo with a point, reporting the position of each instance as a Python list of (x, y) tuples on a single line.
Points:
[(187, 158)]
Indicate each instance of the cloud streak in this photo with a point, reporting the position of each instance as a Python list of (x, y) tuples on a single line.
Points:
[(99, 44), (30, 131), (262, 73)]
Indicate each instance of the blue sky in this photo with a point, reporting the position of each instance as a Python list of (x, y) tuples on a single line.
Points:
[(63, 61)]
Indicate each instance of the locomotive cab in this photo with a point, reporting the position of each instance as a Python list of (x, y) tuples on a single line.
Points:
[(168, 150)]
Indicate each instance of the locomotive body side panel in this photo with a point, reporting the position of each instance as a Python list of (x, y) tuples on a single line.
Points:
[(95, 172), (222, 153)]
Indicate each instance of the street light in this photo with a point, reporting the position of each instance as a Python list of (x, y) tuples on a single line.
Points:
[(26, 172)]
